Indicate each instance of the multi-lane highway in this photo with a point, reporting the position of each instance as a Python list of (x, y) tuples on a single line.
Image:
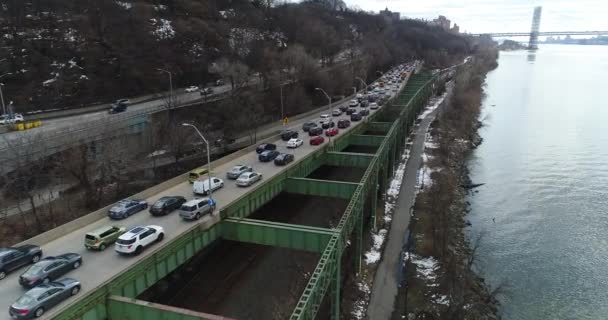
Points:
[(98, 267)]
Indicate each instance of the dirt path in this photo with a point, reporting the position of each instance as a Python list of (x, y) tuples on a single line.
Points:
[(386, 279)]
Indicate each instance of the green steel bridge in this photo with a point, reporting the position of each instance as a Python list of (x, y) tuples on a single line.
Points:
[(116, 298)]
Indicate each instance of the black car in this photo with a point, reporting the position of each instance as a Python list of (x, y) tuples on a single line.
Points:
[(118, 107), (315, 131), (166, 205), (17, 257), (286, 135), (283, 159), (307, 125), (50, 268), (364, 104), (364, 112), (356, 116), (268, 155), (350, 111), (328, 124), (265, 147), (343, 124), (343, 108)]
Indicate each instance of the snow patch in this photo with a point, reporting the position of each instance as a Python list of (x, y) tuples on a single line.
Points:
[(440, 299), (160, 7), (163, 29), (425, 267), (157, 153), (360, 306), (125, 5), (435, 102), (73, 63), (374, 254), (83, 77)]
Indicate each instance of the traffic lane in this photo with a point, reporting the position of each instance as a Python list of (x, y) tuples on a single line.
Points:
[(98, 267)]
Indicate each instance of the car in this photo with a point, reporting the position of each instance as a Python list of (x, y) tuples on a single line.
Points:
[(314, 141), (16, 257), (351, 111), (122, 101), (125, 208), (294, 143), (364, 112), (196, 208), (237, 171), (331, 132), (197, 173), (49, 268), (248, 179), (364, 103), (359, 96), (315, 131), (327, 125), (307, 125), (288, 134), (343, 124), (336, 112), (206, 91), (100, 238), (166, 205), (283, 159), (202, 186), (117, 108), (343, 107), (353, 103), (8, 118), (137, 238), (219, 82), (324, 118), (356, 116), (191, 89), (373, 106), (268, 156), (35, 302), (265, 147)]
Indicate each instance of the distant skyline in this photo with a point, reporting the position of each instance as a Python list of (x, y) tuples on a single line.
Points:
[(478, 16)]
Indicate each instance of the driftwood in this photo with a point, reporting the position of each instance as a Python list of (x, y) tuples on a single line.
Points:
[(472, 185)]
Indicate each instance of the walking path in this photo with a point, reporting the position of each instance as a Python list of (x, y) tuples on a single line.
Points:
[(386, 280)]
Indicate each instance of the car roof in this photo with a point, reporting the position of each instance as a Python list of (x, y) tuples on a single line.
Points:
[(194, 201), (100, 230)]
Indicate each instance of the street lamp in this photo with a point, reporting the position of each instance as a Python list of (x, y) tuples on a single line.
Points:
[(282, 113), (355, 90), (364, 84), (170, 85), (208, 156), (329, 108), (2, 98)]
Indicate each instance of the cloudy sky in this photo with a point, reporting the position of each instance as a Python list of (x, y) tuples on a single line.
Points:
[(478, 16)]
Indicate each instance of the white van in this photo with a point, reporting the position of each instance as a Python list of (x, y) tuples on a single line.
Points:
[(202, 186)]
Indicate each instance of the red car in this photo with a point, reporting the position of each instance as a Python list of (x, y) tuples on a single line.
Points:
[(317, 140), (331, 132)]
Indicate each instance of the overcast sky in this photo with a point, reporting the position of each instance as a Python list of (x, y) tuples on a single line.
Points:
[(477, 16)]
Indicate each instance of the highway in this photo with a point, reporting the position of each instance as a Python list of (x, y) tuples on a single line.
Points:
[(98, 267)]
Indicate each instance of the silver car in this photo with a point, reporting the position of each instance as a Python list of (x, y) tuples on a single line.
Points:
[(237, 170), (35, 302), (248, 178)]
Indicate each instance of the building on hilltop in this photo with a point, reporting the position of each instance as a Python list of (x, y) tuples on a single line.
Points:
[(455, 29), (390, 16), (442, 22)]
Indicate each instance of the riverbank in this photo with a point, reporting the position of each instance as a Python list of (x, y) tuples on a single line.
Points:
[(440, 282)]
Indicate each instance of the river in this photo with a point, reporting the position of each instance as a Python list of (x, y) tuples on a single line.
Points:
[(543, 211)]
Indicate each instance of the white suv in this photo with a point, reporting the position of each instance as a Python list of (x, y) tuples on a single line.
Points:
[(136, 239)]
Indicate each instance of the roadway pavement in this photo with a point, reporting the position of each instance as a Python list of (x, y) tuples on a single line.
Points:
[(98, 267), (386, 280)]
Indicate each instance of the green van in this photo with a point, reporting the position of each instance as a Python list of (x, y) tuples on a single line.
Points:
[(197, 173), (101, 238)]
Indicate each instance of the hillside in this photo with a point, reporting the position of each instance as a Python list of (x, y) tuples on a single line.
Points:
[(60, 53)]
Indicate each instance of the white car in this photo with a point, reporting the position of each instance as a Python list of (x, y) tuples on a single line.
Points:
[(248, 178), (294, 143), (373, 105), (353, 103), (325, 117), (191, 89), (202, 186), (336, 112), (7, 119), (135, 240)]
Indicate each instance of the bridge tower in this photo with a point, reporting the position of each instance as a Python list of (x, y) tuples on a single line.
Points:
[(533, 43)]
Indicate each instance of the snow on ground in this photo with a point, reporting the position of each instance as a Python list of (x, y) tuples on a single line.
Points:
[(360, 306), (157, 153), (425, 267), (125, 5), (374, 254), (163, 29), (440, 299), (160, 7)]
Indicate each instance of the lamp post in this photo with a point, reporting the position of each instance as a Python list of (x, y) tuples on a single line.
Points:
[(282, 113), (170, 85), (355, 90), (208, 156), (364, 84), (329, 108), (1, 96)]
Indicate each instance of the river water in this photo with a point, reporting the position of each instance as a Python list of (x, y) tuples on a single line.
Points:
[(543, 212)]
